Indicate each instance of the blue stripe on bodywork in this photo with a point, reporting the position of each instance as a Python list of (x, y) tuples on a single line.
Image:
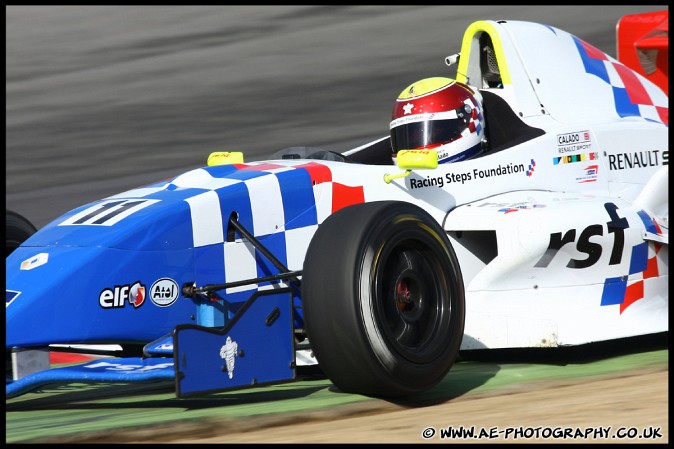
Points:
[(236, 198), (648, 222), (639, 259), (299, 204), (209, 264), (593, 66), (624, 107), (614, 291), (276, 244)]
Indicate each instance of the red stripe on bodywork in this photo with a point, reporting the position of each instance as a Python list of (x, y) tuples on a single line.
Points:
[(663, 113), (67, 357), (651, 270), (343, 196), (635, 90), (592, 52), (319, 173), (634, 293)]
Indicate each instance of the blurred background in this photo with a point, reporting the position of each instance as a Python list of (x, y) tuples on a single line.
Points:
[(102, 99)]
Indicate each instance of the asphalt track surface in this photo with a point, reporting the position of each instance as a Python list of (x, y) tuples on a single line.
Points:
[(101, 99)]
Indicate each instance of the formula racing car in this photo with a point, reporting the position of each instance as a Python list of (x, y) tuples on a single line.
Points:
[(238, 273)]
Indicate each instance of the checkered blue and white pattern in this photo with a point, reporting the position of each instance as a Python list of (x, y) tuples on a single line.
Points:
[(633, 96), (645, 263), (281, 204)]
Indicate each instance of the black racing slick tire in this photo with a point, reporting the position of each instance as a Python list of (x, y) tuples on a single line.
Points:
[(383, 299), (17, 230)]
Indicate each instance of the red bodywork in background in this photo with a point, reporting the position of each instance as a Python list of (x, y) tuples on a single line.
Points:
[(643, 44)]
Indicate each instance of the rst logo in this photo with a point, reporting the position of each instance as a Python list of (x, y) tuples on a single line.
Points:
[(117, 297), (615, 226), (164, 292)]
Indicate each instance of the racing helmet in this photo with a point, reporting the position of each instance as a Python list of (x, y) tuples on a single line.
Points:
[(441, 114)]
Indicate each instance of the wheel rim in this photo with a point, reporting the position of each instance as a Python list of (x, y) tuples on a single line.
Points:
[(411, 299)]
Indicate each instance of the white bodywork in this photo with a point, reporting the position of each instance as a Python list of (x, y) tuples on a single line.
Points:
[(561, 235), (605, 141)]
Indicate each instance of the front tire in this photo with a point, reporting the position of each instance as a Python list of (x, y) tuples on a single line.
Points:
[(383, 299)]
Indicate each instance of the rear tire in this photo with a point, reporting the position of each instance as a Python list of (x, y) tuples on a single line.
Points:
[(383, 299), (17, 231)]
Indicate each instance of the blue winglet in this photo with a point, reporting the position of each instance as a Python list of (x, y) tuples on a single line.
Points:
[(132, 369), (161, 347)]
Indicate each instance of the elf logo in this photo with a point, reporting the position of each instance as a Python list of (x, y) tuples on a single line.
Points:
[(164, 292), (117, 297)]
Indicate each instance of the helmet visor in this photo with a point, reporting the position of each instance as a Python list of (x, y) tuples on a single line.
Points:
[(426, 134)]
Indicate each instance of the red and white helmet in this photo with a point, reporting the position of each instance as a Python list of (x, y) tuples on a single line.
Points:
[(440, 114)]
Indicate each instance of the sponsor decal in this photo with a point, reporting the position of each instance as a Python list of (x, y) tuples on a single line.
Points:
[(590, 174), (228, 353), (117, 297), (35, 261), (126, 368), (621, 291), (521, 206), (530, 170), (475, 174), (638, 159), (570, 159), (164, 292), (583, 243), (107, 213), (572, 142), (513, 207)]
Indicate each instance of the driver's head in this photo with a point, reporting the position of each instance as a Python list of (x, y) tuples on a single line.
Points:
[(440, 114)]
